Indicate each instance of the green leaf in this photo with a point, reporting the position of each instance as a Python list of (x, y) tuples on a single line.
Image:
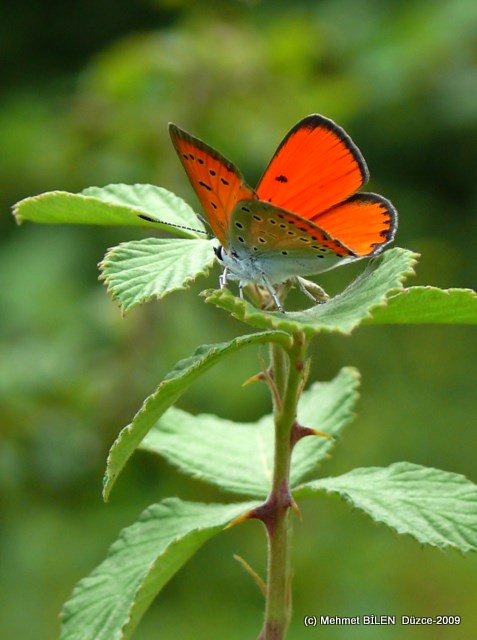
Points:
[(170, 389), (428, 305), (116, 204), (343, 313), (110, 602), (239, 457), (141, 270), (435, 507)]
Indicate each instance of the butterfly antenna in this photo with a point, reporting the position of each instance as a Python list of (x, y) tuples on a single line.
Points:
[(176, 226), (203, 220)]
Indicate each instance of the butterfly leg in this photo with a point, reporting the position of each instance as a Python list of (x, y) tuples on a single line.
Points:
[(312, 290), (273, 293), (223, 278)]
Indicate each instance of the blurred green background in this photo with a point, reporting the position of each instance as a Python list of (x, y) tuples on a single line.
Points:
[(87, 91)]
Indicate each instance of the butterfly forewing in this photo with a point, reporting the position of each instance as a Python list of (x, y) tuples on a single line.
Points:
[(218, 183), (316, 166), (365, 222)]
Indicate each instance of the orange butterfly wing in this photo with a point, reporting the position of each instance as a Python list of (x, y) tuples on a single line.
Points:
[(316, 166), (313, 173), (365, 222), (218, 183)]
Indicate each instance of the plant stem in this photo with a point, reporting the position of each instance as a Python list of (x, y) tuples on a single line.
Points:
[(287, 370)]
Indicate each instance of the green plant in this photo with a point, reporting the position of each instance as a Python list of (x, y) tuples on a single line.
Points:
[(268, 461)]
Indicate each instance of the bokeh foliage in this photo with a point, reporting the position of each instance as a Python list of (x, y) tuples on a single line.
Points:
[(86, 102)]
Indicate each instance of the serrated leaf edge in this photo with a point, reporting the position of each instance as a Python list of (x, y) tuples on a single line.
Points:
[(396, 529), (246, 312), (102, 265)]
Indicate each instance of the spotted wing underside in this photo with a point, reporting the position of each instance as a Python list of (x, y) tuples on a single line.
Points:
[(261, 227)]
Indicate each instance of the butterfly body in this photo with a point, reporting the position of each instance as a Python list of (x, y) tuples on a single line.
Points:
[(303, 218)]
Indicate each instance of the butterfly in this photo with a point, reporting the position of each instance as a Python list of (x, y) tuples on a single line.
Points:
[(303, 218)]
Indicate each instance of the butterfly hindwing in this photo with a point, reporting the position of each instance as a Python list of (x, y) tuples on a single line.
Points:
[(218, 183), (316, 166), (282, 243), (365, 222)]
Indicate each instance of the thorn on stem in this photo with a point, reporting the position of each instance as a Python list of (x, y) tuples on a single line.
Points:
[(248, 515), (296, 509), (299, 431), (279, 501), (258, 377)]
